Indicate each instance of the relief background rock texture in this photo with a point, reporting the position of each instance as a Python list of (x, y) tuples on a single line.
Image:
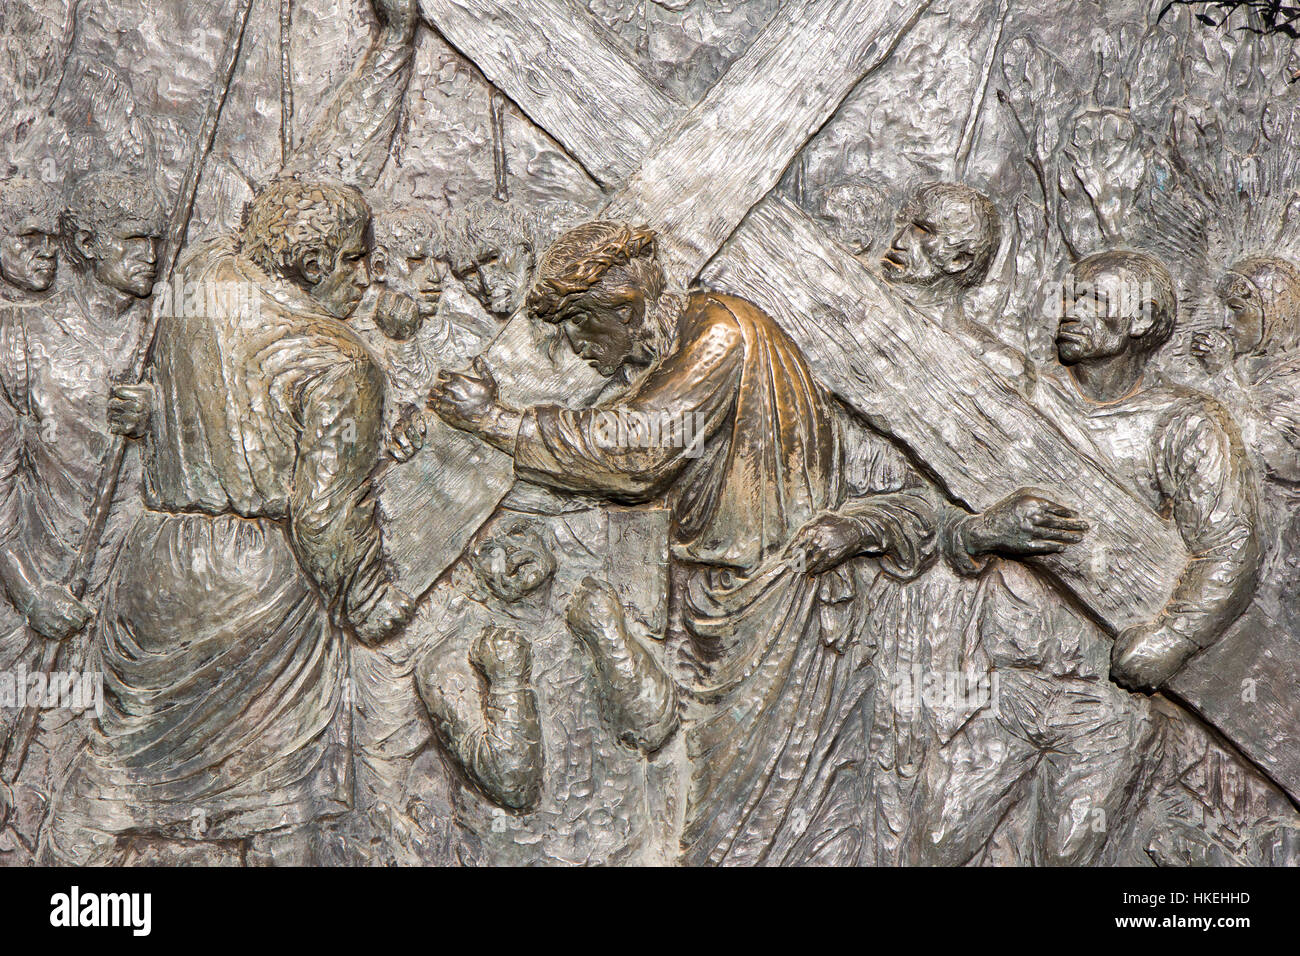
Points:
[(1085, 122)]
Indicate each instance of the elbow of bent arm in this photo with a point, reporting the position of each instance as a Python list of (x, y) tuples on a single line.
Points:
[(510, 771), (647, 721)]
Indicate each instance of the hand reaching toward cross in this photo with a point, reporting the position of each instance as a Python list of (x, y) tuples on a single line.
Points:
[(468, 401)]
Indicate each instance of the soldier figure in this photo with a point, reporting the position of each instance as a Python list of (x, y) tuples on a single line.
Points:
[(62, 352)]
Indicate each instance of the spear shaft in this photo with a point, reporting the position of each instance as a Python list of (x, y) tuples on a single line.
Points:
[(110, 468)]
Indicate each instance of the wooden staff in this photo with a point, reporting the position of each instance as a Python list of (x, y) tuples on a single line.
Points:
[(110, 469), (286, 82)]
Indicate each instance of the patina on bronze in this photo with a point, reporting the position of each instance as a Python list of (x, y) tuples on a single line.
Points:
[(606, 432)]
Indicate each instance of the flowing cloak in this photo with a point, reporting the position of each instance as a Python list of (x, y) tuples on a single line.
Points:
[(221, 638), (767, 692)]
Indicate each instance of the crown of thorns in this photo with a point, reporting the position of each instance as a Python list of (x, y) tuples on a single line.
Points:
[(579, 259)]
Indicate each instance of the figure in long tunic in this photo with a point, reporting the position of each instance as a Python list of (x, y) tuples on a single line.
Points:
[(224, 635), (760, 523), (62, 349)]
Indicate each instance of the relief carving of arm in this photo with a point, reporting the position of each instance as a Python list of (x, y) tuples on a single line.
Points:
[(351, 138), (493, 734), (1201, 468), (334, 527), (638, 697)]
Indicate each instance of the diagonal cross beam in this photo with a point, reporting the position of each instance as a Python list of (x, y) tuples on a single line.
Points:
[(971, 429), (706, 175)]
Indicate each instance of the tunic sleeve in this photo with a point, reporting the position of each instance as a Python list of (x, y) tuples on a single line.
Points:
[(1201, 471), (633, 448), (333, 522), (493, 734)]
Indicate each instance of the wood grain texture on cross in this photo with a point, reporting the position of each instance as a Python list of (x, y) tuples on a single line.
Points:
[(704, 177)]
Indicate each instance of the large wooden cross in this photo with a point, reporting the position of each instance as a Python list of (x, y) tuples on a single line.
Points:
[(703, 177)]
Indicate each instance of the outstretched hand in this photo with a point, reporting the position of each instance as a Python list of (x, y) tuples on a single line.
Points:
[(465, 400), (1025, 523), (1212, 350)]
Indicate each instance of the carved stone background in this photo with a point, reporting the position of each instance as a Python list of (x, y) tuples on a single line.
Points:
[(1091, 125)]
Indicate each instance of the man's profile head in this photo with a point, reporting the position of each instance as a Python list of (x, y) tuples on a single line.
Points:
[(489, 246), (600, 283), (947, 237), (112, 227), (1115, 302), (29, 232), (314, 234)]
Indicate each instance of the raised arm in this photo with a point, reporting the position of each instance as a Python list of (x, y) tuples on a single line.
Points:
[(637, 697), (351, 137), (685, 400), (492, 733)]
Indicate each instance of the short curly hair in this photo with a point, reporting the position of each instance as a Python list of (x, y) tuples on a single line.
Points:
[(1148, 286), (293, 216), (580, 258), (104, 200), (23, 199), (403, 229)]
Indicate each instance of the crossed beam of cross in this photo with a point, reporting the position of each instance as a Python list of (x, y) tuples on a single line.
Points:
[(703, 177)]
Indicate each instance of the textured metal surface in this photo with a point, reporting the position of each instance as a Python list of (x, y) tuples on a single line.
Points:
[(582, 433)]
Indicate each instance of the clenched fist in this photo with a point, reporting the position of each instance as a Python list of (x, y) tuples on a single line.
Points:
[(502, 656)]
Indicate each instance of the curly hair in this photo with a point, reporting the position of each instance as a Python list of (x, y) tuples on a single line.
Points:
[(1147, 285), (105, 200), (23, 199), (292, 217), (483, 229), (580, 258), (403, 229)]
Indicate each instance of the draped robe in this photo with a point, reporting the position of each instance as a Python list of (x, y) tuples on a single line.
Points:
[(767, 681), (222, 637)]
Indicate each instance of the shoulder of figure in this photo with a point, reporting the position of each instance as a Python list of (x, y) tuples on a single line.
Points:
[(720, 316), (1187, 412)]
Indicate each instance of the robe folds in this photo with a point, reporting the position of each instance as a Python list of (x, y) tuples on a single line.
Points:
[(768, 661), (223, 633)]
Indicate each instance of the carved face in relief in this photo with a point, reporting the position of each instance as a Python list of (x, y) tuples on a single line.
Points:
[(1243, 309), (29, 257), (1261, 304), (606, 327), (1113, 302), (410, 270), (124, 257), (338, 284), (513, 562), (498, 278), (947, 236)]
